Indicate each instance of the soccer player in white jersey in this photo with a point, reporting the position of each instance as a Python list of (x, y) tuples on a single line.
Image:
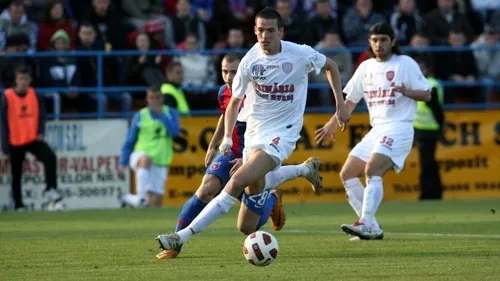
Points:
[(391, 84), (273, 76)]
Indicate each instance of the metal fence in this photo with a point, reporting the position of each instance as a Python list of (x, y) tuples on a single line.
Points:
[(100, 89)]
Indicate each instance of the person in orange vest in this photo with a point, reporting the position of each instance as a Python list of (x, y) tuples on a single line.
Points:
[(23, 126)]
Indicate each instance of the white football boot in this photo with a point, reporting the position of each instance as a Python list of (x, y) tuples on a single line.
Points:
[(313, 163), (169, 241), (362, 232)]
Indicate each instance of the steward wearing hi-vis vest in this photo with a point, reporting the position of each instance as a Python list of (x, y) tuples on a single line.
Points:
[(428, 126), (429, 114), (171, 89), (148, 150), (23, 126)]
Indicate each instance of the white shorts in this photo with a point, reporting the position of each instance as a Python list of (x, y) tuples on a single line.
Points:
[(158, 174), (279, 148), (394, 140)]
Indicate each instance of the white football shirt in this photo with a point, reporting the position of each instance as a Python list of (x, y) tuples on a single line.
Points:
[(276, 88), (372, 81)]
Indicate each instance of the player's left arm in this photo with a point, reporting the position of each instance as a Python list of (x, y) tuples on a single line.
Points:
[(333, 75), (416, 87), (171, 122)]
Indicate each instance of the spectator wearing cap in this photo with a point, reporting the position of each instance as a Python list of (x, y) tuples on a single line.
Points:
[(62, 71), (13, 21), (55, 19)]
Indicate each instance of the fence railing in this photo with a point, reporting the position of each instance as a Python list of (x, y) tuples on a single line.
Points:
[(100, 89)]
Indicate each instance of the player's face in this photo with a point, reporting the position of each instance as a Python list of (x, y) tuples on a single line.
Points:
[(23, 81), (268, 34), (154, 99), (381, 45), (229, 70)]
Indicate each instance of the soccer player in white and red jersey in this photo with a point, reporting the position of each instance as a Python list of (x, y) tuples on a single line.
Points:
[(391, 84), (273, 76)]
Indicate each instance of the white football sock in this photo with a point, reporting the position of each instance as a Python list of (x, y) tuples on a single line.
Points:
[(284, 174), (354, 190), (143, 182), (132, 200), (215, 209), (374, 193)]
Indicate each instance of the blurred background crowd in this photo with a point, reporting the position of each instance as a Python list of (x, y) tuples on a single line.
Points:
[(28, 26)]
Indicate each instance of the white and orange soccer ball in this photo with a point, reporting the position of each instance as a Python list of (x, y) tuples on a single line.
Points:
[(260, 248)]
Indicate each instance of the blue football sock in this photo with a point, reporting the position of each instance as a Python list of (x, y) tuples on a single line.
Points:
[(191, 209), (270, 202)]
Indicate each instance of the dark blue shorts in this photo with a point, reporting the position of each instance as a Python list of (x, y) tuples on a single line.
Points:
[(220, 167)]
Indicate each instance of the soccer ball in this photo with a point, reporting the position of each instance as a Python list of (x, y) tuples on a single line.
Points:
[(260, 248)]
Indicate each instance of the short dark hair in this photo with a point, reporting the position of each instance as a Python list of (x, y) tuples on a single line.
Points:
[(230, 57), (269, 14), (86, 24), (383, 29), (22, 69), (172, 65), (154, 88), (16, 3)]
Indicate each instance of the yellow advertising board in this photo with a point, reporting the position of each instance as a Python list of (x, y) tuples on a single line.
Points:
[(469, 159)]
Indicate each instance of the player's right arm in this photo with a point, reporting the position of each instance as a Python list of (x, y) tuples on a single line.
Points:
[(240, 84)]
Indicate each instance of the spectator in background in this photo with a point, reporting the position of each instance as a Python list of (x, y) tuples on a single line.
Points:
[(236, 13), (142, 11), (55, 18), (182, 24), (113, 74), (23, 126), (357, 22), (235, 40), (309, 7), (199, 71), (322, 22), (171, 88), (418, 42), (488, 60), (495, 20), (341, 56), (13, 21), (15, 44), (62, 72), (204, 9), (295, 27), (458, 66), (144, 69), (439, 23), (156, 32), (107, 23), (406, 21)]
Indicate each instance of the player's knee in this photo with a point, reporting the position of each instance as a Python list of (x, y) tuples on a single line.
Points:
[(346, 174), (245, 228), (372, 170), (144, 162), (235, 185), (208, 188)]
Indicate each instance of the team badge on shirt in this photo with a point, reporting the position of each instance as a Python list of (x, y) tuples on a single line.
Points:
[(390, 75), (215, 165), (287, 67)]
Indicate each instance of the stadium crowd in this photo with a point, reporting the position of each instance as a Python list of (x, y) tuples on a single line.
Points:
[(28, 26)]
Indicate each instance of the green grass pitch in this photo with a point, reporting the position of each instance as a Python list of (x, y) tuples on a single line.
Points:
[(450, 240)]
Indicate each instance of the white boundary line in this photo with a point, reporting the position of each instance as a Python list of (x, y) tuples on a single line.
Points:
[(422, 234)]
